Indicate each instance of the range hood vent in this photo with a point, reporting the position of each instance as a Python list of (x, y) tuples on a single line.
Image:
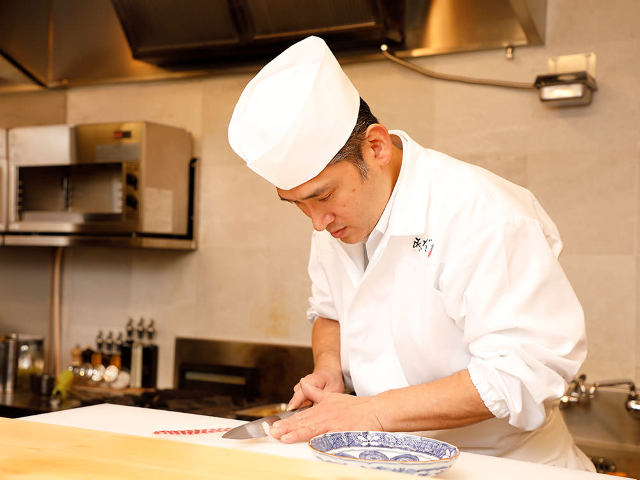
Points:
[(165, 32), (59, 43)]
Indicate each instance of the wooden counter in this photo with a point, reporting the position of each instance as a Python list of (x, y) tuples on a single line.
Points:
[(119, 442), (33, 451)]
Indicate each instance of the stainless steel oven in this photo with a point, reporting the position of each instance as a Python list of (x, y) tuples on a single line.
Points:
[(261, 371), (129, 178)]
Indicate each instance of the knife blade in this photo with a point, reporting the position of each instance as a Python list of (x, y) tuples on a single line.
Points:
[(259, 428)]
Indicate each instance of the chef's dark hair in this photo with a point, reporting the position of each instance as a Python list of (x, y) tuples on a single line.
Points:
[(352, 149)]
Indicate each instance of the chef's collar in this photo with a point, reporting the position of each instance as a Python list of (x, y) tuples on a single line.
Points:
[(383, 221), (372, 242), (411, 200)]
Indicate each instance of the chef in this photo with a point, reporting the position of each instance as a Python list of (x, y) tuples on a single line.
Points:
[(436, 293)]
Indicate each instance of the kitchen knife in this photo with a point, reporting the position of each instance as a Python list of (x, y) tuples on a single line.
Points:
[(258, 428)]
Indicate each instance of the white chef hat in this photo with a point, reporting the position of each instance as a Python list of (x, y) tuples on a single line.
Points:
[(294, 115)]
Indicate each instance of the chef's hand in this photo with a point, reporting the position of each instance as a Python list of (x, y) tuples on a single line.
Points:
[(331, 412), (324, 379)]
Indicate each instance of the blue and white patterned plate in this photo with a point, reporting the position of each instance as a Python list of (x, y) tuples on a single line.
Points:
[(395, 452)]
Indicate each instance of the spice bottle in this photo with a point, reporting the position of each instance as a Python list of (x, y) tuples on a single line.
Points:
[(150, 358), (136, 357)]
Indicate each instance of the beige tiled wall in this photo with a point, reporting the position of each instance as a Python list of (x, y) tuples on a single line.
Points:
[(35, 108), (248, 277)]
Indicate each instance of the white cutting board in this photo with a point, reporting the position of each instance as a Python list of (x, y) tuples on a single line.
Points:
[(185, 427)]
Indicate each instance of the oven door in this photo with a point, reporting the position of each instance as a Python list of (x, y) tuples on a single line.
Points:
[(235, 381), (79, 198)]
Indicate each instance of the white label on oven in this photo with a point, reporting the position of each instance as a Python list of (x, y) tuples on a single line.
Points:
[(158, 210), (118, 152)]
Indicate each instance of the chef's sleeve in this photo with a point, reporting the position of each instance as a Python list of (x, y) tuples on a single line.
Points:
[(320, 302), (523, 324)]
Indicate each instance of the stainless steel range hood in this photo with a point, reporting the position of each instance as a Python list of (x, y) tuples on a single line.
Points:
[(59, 43)]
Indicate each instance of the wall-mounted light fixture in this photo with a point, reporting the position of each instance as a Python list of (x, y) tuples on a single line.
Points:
[(566, 89), (570, 81)]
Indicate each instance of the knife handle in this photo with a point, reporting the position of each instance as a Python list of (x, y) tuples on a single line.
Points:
[(289, 413)]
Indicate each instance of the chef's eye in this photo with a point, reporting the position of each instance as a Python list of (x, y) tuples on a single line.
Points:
[(325, 198)]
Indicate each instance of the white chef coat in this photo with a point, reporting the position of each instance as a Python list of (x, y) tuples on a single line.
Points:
[(465, 276)]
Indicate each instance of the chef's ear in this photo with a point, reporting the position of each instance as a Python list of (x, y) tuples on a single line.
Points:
[(378, 141)]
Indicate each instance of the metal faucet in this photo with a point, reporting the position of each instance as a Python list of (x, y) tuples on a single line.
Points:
[(576, 392), (632, 404), (579, 392)]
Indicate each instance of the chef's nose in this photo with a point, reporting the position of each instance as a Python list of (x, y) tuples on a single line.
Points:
[(321, 219)]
